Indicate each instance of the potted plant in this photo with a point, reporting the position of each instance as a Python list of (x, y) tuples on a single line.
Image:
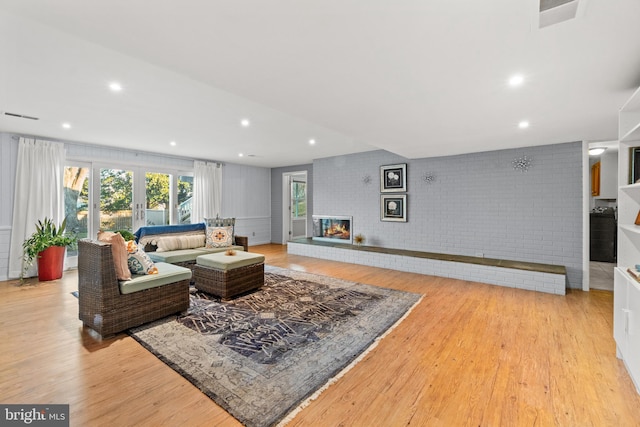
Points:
[(48, 244)]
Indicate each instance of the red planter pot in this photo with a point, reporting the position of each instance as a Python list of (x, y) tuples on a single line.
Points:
[(51, 263)]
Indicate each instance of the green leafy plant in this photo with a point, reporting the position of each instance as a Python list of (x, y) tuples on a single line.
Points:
[(126, 234), (47, 234)]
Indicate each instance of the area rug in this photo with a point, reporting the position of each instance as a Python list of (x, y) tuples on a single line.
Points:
[(262, 355)]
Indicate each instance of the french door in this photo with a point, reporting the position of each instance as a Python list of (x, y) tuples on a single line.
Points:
[(132, 197), (77, 178), (111, 197)]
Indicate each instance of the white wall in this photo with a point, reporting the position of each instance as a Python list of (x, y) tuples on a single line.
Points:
[(8, 157), (245, 189), (608, 175), (246, 195)]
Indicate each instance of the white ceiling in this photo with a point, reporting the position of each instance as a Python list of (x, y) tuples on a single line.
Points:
[(418, 78)]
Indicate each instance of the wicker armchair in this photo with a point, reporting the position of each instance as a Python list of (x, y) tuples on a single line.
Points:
[(104, 309)]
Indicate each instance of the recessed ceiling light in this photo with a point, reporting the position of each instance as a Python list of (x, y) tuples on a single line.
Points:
[(115, 87), (312, 141), (245, 122), (516, 80), (172, 143), (240, 155), (596, 151), (523, 124), (66, 125)]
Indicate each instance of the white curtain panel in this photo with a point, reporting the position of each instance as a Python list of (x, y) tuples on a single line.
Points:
[(38, 194), (207, 191)]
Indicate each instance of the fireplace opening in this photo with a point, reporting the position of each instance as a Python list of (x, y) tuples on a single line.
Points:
[(332, 228)]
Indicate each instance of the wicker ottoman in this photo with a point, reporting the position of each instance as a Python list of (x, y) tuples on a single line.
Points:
[(227, 276)]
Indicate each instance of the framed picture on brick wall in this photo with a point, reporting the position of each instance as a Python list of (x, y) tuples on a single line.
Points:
[(393, 178), (393, 207)]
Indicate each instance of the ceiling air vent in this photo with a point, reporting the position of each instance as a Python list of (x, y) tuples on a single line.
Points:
[(6, 113), (556, 11)]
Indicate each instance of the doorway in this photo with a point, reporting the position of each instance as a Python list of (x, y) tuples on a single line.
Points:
[(294, 205), (602, 214)]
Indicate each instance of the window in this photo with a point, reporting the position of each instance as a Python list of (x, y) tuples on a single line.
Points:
[(116, 200), (185, 197), (299, 199), (112, 197), (157, 198), (76, 204)]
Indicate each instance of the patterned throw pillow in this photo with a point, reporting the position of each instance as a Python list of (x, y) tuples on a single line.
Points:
[(138, 261), (219, 237)]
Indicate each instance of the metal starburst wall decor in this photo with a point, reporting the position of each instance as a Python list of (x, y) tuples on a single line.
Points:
[(428, 177), (522, 164)]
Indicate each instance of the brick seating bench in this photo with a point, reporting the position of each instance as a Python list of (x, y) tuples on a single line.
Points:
[(228, 276), (532, 276)]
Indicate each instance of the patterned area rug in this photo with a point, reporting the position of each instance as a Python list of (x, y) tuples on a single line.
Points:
[(261, 355)]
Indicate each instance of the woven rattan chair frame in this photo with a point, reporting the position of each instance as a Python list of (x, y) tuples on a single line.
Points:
[(101, 305)]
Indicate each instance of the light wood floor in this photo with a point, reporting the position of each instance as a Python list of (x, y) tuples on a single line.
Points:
[(468, 355)]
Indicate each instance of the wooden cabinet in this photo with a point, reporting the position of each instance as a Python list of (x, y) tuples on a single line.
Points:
[(626, 322), (626, 299), (595, 179)]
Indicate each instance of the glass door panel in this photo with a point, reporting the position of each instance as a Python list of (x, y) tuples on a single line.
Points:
[(185, 197), (76, 205), (157, 198), (116, 200), (298, 225)]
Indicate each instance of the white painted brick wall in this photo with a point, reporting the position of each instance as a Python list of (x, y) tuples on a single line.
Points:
[(478, 204)]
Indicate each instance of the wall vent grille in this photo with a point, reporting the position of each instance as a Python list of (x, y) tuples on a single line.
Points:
[(6, 113), (550, 4), (556, 11)]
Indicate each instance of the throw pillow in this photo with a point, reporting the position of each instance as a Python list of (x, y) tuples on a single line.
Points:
[(119, 253), (171, 243), (138, 261), (219, 237)]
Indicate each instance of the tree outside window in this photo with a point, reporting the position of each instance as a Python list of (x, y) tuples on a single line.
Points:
[(299, 199)]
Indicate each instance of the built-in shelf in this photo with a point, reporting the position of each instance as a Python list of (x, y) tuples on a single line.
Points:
[(626, 292), (629, 187), (632, 135), (635, 229), (629, 119)]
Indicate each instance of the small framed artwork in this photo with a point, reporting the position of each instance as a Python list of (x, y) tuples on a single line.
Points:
[(393, 207), (393, 178)]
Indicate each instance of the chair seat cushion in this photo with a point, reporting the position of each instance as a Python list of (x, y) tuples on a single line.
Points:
[(167, 274), (221, 261)]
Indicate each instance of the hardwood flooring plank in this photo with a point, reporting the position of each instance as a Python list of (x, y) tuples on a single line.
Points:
[(469, 354)]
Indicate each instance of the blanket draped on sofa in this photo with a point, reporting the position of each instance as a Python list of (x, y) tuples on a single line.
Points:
[(165, 229)]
